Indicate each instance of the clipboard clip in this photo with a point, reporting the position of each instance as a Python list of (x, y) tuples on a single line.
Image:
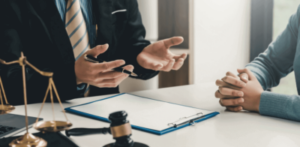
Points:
[(186, 120)]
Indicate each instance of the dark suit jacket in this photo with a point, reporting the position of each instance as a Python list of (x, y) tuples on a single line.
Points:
[(35, 27)]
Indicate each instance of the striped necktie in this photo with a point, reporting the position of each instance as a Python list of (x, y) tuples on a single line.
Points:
[(76, 28), (77, 31)]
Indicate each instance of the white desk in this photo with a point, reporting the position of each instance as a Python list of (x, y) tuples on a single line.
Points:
[(227, 129)]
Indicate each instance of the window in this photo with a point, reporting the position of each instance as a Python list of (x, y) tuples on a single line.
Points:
[(283, 9)]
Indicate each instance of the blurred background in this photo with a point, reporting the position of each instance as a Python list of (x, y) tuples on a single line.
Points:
[(220, 36)]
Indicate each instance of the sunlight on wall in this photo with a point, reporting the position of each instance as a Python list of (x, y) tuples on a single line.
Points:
[(222, 38)]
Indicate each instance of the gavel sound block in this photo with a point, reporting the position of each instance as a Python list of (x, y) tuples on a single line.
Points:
[(120, 129)]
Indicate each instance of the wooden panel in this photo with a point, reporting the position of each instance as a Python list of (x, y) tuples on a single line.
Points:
[(175, 78), (174, 20)]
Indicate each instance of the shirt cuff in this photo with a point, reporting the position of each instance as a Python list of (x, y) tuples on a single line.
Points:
[(81, 87), (273, 104)]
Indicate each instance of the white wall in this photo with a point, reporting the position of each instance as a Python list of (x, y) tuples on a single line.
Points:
[(221, 37), (149, 12)]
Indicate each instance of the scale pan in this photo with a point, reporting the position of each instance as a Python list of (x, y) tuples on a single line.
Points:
[(4, 109), (136, 144), (52, 126), (28, 140)]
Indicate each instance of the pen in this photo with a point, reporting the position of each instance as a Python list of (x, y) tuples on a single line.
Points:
[(119, 69)]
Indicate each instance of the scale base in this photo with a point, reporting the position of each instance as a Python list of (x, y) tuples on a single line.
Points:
[(4, 109), (52, 126), (135, 144), (28, 140)]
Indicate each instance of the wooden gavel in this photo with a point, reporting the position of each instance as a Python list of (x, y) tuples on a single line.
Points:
[(120, 129)]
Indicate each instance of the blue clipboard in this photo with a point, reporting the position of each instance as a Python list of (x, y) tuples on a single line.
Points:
[(162, 132)]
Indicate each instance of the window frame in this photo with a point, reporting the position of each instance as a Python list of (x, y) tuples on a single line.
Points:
[(261, 26)]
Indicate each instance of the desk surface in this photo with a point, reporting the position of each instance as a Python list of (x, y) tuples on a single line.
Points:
[(228, 129)]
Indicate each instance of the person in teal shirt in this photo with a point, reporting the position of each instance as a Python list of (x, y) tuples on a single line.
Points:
[(247, 90)]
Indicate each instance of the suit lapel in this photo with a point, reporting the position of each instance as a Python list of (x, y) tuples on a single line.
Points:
[(102, 17), (52, 23), (59, 34)]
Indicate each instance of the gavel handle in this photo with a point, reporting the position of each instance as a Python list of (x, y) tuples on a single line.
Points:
[(87, 131)]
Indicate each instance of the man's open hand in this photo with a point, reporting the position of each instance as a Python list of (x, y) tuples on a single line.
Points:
[(157, 56), (100, 74)]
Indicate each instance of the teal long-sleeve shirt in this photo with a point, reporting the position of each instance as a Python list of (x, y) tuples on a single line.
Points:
[(281, 58)]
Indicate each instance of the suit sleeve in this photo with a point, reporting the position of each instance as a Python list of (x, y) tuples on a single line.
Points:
[(133, 41), (276, 62)]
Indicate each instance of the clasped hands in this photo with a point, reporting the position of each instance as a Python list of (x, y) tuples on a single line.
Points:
[(156, 56), (241, 92)]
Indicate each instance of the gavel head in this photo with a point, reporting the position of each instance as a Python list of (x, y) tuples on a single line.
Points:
[(120, 129), (118, 118)]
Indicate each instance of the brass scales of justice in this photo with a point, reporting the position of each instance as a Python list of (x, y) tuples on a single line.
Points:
[(29, 140)]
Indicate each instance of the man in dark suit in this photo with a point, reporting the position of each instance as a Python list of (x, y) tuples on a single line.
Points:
[(55, 34)]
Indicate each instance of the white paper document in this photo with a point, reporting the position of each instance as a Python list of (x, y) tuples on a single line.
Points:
[(142, 112)]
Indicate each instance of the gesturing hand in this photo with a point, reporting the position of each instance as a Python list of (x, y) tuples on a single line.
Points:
[(100, 74), (157, 56)]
